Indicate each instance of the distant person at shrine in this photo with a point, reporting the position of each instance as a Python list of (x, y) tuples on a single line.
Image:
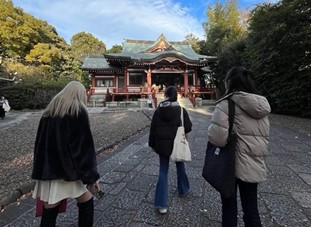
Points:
[(160, 87), (153, 88), (164, 124), (149, 101), (64, 163), (4, 107), (141, 89)]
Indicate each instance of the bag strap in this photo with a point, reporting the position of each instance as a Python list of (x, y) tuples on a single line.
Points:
[(182, 116), (231, 108)]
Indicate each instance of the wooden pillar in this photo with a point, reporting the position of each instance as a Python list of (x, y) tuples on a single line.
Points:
[(125, 79), (196, 81), (186, 83), (93, 81), (115, 80), (149, 80)]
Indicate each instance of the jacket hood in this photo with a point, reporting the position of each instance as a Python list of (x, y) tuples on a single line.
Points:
[(256, 106), (168, 110)]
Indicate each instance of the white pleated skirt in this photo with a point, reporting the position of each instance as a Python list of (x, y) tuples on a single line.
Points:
[(53, 191)]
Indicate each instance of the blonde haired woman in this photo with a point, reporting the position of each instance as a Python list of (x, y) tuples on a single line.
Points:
[(64, 156)]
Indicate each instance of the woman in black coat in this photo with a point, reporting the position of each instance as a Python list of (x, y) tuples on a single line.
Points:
[(64, 156), (164, 124)]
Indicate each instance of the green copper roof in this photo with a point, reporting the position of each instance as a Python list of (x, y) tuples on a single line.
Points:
[(95, 62), (138, 50), (147, 51)]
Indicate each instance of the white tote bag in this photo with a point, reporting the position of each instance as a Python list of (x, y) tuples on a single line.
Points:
[(181, 150), (6, 106)]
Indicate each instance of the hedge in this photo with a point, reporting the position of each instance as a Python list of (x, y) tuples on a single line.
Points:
[(30, 96)]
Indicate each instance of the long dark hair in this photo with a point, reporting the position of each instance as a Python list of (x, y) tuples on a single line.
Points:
[(239, 79), (171, 94)]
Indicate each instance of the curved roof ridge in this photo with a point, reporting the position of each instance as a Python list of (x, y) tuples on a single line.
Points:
[(161, 44), (138, 41)]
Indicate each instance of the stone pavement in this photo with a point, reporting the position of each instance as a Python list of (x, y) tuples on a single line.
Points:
[(12, 118), (129, 176)]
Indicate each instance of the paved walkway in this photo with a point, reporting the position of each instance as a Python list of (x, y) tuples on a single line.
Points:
[(129, 177)]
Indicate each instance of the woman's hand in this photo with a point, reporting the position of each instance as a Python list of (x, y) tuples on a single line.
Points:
[(95, 190), (95, 187)]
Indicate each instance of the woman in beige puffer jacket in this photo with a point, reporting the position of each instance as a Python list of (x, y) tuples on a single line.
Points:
[(251, 125)]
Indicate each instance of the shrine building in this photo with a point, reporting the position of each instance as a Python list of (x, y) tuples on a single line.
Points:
[(143, 65)]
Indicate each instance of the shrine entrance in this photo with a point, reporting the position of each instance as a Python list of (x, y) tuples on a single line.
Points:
[(167, 79)]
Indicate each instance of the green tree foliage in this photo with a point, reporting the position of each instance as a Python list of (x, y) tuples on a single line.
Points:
[(84, 44), (20, 32), (26, 73), (203, 47), (32, 51), (231, 55), (15, 33), (25, 38), (223, 26), (194, 41), (279, 53), (47, 56), (44, 53), (115, 49), (226, 33)]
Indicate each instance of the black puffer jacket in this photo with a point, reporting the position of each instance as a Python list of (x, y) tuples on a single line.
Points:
[(164, 124), (64, 149)]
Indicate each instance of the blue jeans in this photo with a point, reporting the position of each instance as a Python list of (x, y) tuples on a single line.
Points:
[(161, 193), (248, 194)]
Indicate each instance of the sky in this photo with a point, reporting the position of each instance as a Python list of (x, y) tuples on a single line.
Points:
[(112, 21)]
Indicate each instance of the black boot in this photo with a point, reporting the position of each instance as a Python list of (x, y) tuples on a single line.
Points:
[(49, 217), (86, 213)]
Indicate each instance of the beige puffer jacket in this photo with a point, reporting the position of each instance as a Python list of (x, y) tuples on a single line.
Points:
[(251, 126)]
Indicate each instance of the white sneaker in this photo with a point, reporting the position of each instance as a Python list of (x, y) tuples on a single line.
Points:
[(162, 210)]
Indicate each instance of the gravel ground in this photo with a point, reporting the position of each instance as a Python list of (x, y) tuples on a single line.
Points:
[(17, 141), (301, 125)]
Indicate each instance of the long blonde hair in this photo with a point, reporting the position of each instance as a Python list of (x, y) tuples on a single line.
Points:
[(68, 101)]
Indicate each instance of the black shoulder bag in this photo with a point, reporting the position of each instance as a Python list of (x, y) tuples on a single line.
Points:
[(219, 166)]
